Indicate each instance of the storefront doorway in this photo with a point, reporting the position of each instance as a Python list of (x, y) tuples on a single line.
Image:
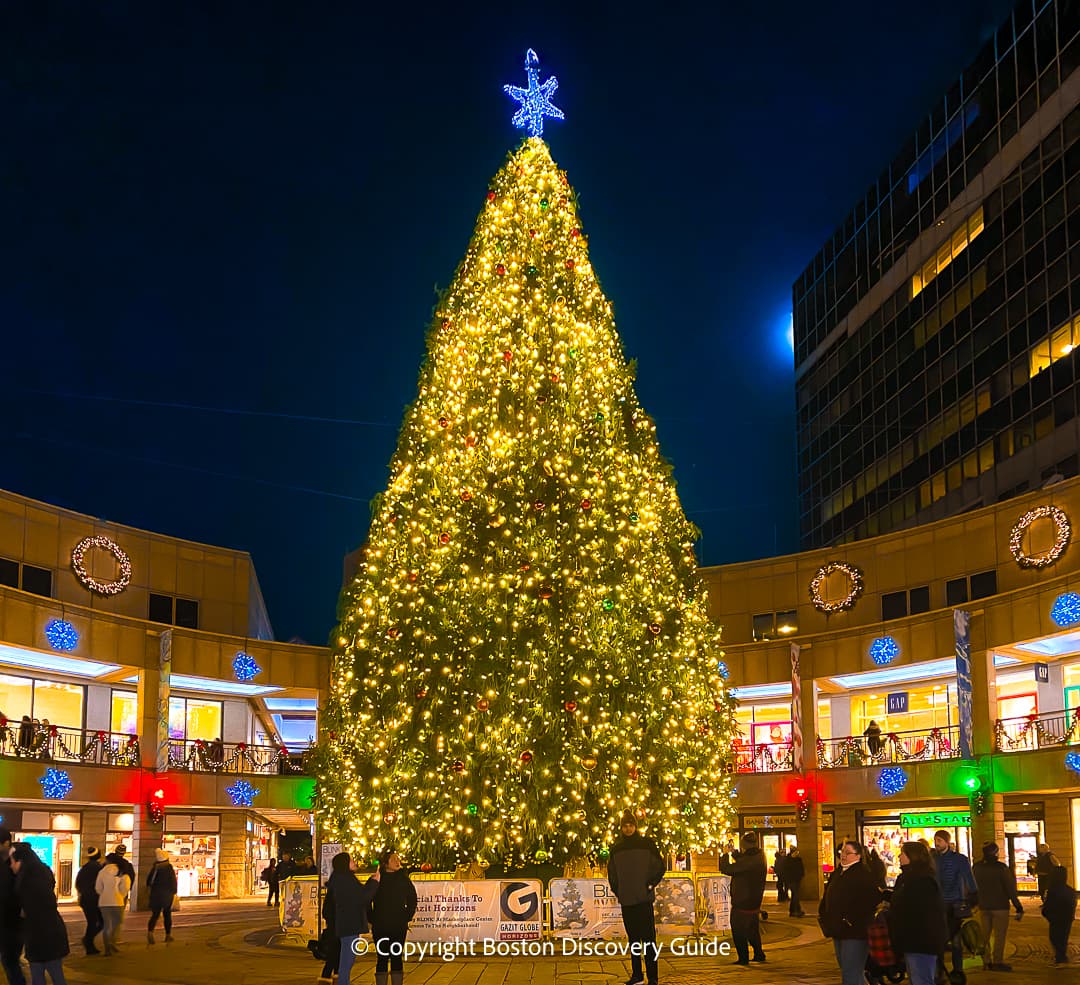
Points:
[(193, 843), (886, 832), (776, 832), (57, 840), (1023, 834)]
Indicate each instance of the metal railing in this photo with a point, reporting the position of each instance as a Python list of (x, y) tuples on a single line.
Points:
[(762, 757), (60, 743), (1043, 731), (917, 745), (200, 756)]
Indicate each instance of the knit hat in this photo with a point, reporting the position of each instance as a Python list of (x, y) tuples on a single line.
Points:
[(160, 855), (93, 853), (120, 849), (990, 850), (628, 818)]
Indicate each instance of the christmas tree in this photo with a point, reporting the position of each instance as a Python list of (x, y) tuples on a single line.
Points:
[(571, 913), (525, 650)]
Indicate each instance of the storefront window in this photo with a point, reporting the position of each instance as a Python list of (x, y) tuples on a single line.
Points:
[(192, 718), (886, 833), (57, 841), (1017, 695), (125, 713), (824, 719), (16, 697), (930, 706), (195, 859), (61, 704)]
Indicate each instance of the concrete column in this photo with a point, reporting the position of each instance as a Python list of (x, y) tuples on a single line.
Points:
[(1058, 826), (809, 723), (844, 824), (808, 836), (145, 837), (988, 826), (148, 694), (93, 833), (841, 715), (1052, 693), (983, 696), (232, 855)]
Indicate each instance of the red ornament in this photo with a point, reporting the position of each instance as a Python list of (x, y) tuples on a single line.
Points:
[(526, 756), (3, 721), (100, 736), (554, 377), (507, 356), (413, 576), (426, 867), (569, 264), (570, 705), (539, 506), (575, 233), (546, 592), (389, 818), (444, 538), (458, 766), (445, 323), (654, 628), (241, 746), (393, 632), (634, 772), (470, 441), (53, 730), (199, 743), (524, 567), (466, 496), (491, 196), (444, 422), (532, 233), (483, 704), (586, 504), (500, 269), (421, 693)]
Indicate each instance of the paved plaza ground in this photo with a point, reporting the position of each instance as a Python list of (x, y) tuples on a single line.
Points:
[(233, 943)]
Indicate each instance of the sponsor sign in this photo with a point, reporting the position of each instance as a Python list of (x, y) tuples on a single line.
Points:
[(298, 908), (715, 892), (327, 851), (484, 909), (587, 908)]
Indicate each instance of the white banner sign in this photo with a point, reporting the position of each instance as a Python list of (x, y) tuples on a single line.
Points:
[(484, 909), (298, 909), (716, 894), (327, 851), (588, 908)]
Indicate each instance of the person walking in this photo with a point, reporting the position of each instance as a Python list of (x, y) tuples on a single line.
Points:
[(1045, 863), (917, 922), (46, 935), (847, 910), (11, 930), (1060, 911), (957, 886), (635, 866), (351, 901), (270, 877), (86, 887), (996, 883), (747, 869), (391, 910), (329, 945), (778, 871), (162, 884), (794, 873), (113, 887)]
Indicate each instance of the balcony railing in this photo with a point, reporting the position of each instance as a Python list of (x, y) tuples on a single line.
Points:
[(918, 745), (200, 756), (763, 757), (59, 743), (1045, 731)]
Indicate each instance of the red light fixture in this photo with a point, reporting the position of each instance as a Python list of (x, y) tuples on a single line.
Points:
[(155, 806)]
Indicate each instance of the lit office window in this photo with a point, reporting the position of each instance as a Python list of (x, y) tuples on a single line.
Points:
[(948, 251)]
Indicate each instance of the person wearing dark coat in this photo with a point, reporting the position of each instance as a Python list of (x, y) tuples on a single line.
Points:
[(846, 911), (1045, 863), (351, 901), (162, 884), (918, 925), (996, 883), (86, 887), (778, 872), (329, 945), (271, 878), (11, 932), (747, 870), (1060, 911), (635, 866), (391, 910), (46, 935), (876, 864), (794, 873)]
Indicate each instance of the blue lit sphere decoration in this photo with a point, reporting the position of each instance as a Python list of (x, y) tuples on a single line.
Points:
[(884, 650), (55, 784), (61, 634), (722, 670), (242, 793), (535, 100), (1072, 761), (892, 780), (1066, 609), (244, 666)]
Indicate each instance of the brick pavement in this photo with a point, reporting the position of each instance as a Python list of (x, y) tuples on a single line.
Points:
[(231, 944)]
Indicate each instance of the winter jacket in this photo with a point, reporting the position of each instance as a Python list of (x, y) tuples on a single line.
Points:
[(329, 911), (997, 885), (10, 912), (917, 920), (794, 870), (747, 871), (394, 904), (43, 928), (634, 869), (351, 903), (1060, 905), (954, 876), (849, 904), (125, 867), (162, 883), (86, 883), (112, 886), (271, 876), (876, 865)]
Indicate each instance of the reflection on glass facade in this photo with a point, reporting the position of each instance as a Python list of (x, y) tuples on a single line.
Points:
[(935, 331)]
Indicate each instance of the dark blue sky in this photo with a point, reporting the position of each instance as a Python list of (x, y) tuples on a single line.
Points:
[(223, 224)]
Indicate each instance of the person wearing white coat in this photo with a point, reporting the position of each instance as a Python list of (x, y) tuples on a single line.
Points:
[(113, 887)]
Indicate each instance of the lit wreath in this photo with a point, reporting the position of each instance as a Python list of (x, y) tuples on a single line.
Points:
[(101, 587), (1064, 532), (854, 576)]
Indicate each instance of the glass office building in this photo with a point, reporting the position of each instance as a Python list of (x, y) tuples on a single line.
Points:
[(935, 332)]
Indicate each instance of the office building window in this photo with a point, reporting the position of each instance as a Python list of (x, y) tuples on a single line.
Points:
[(787, 622), (37, 580), (160, 608), (893, 605), (919, 600), (956, 591), (983, 584), (9, 572), (948, 251), (764, 626)]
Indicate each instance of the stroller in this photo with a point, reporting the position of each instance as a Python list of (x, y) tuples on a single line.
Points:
[(883, 965)]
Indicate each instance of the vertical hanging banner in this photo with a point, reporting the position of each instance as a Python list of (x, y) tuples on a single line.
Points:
[(962, 634), (164, 673), (796, 711)]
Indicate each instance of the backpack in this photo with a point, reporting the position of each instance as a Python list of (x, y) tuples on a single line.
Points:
[(971, 936)]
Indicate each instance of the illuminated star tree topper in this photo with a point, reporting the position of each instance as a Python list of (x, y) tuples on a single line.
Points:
[(535, 100)]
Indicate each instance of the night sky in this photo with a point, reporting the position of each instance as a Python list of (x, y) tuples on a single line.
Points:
[(224, 224)]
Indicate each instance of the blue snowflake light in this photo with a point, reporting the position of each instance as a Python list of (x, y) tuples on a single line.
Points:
[(55, 784), (244, 666), (1066, 609), (722, 670), (891, 780), (884, 650), (242, 793), (61, 634), (535, 100), (1072, 761)]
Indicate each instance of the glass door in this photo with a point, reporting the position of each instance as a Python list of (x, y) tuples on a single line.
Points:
[(1020, 848)]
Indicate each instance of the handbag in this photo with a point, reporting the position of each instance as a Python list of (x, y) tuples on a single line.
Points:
[(175, 903)]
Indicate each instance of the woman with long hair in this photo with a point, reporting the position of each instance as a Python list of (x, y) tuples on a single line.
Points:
[(917, 921), (351, 901), (394, 906), (43, 928)]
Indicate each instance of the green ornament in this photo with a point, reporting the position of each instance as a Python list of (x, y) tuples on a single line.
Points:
[(374, 861), (608, 604), (543, 205), (603, 854), (473, 809), (541, 856), (599, 416), (531, 270), (634, 518), (688, 809), (572, 353)]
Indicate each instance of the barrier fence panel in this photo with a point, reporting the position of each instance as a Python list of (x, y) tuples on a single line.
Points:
[(485, 909), (715, 894), (298, 908), (587, 908)]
